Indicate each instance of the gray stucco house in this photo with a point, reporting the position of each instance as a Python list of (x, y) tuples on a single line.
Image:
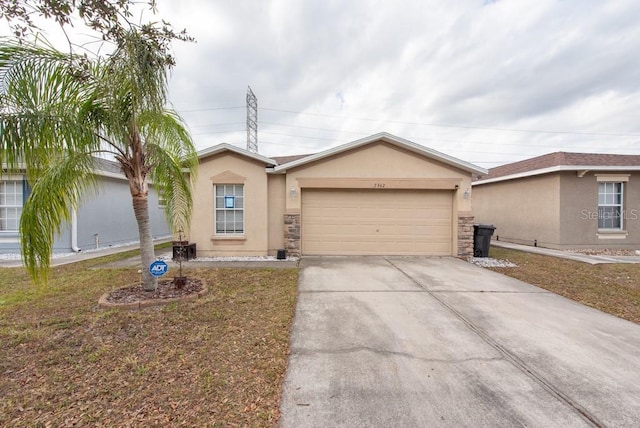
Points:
[(564, 201), (104, 218)]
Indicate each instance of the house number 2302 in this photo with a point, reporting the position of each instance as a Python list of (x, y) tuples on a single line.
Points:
[(378, 185)]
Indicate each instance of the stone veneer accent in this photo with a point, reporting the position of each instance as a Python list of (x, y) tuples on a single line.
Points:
[(292, 234), (465, 236)]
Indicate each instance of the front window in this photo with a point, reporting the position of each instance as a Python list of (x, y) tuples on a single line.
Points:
[(229, 209), (610, 205), (11, 198)]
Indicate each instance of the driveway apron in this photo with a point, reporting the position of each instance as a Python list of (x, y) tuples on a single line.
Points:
[(415, 341)]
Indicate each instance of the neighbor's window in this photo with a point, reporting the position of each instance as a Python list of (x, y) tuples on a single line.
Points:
[(10, 205), (610, 205), (229, 208)]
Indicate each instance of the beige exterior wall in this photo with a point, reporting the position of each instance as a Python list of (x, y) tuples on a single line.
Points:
[(230, 168), (384, 167), (381, 161), (579, 210), (523, 210), (273, 200), (277, 202)]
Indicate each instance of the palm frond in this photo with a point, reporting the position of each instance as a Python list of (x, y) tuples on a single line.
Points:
[(172, 154), (40, 108), (55, 193), (56, 106)]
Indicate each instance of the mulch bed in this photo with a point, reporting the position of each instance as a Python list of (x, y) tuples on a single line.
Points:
[(167, 289)]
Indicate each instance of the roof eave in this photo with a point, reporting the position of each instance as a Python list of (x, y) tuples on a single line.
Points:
[(210, 151), (22, 169), (558, 168), (392, 139)]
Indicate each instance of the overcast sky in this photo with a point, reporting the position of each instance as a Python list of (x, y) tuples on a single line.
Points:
[(489, 82)]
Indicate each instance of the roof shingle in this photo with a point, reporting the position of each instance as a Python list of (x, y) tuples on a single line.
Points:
[(281, 160), (562, 159)]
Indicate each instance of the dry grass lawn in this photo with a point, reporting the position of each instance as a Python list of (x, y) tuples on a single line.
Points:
[(611, 288), (215, 361)]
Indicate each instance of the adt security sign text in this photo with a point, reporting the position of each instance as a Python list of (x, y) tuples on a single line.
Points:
[(158, 268)]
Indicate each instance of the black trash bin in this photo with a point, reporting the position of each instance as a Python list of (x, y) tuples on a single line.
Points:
[(482, 239)]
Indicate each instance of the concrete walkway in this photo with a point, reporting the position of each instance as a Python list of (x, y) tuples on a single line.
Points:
[(591, 259), (165, 255), (438, 342), (83, 255), (240, 263)]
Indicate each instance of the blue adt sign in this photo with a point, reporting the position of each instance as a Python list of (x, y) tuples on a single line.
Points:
[(158, 268)]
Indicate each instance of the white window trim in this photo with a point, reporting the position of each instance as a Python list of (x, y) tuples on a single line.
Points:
[(612, 178), (19, 179), (621, 205), (228, 235), (612, 234)]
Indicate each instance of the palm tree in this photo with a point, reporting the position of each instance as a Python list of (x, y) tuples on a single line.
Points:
[(60, 112)]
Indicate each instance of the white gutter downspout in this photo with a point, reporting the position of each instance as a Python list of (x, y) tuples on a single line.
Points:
[(74, 231)]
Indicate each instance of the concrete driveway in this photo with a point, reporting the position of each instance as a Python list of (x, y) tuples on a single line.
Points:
[(422, 342)]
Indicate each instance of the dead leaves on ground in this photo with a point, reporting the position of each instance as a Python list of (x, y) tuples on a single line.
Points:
[(215, 361), (611, 288)]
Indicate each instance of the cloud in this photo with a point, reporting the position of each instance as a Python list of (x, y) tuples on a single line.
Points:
[(467, 77)]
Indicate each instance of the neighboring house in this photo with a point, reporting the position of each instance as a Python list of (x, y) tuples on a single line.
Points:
[(104, 219), (563, 201), (381, 195)]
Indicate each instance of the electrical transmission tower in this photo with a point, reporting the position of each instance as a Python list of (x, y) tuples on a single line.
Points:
[(252, 121)]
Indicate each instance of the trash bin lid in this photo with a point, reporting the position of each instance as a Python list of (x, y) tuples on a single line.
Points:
[(484, 226)]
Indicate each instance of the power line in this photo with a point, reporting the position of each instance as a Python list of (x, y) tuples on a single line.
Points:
[(413, 138), (442, 125), (486, 128), (310, 127), (210, 109), (450, 149), (217, 124), (298, 136), (218, 132), (288, 145), (426, 138)]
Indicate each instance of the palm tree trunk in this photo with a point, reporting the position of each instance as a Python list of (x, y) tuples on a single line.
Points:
[(141, 210)]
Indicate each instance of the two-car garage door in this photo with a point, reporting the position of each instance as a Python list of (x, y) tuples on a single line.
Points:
[(376, 222)]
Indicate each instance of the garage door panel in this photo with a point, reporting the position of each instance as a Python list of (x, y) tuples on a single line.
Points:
[(363, 247), (363, 222)]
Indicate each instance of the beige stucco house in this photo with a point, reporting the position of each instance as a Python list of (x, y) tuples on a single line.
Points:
[(381, 195), (563, 201)]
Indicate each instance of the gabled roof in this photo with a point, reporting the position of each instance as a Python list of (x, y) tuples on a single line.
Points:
[(286, 159), (242, 152), (388, 138), (562, 161), (101, 166), (107, 165)]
